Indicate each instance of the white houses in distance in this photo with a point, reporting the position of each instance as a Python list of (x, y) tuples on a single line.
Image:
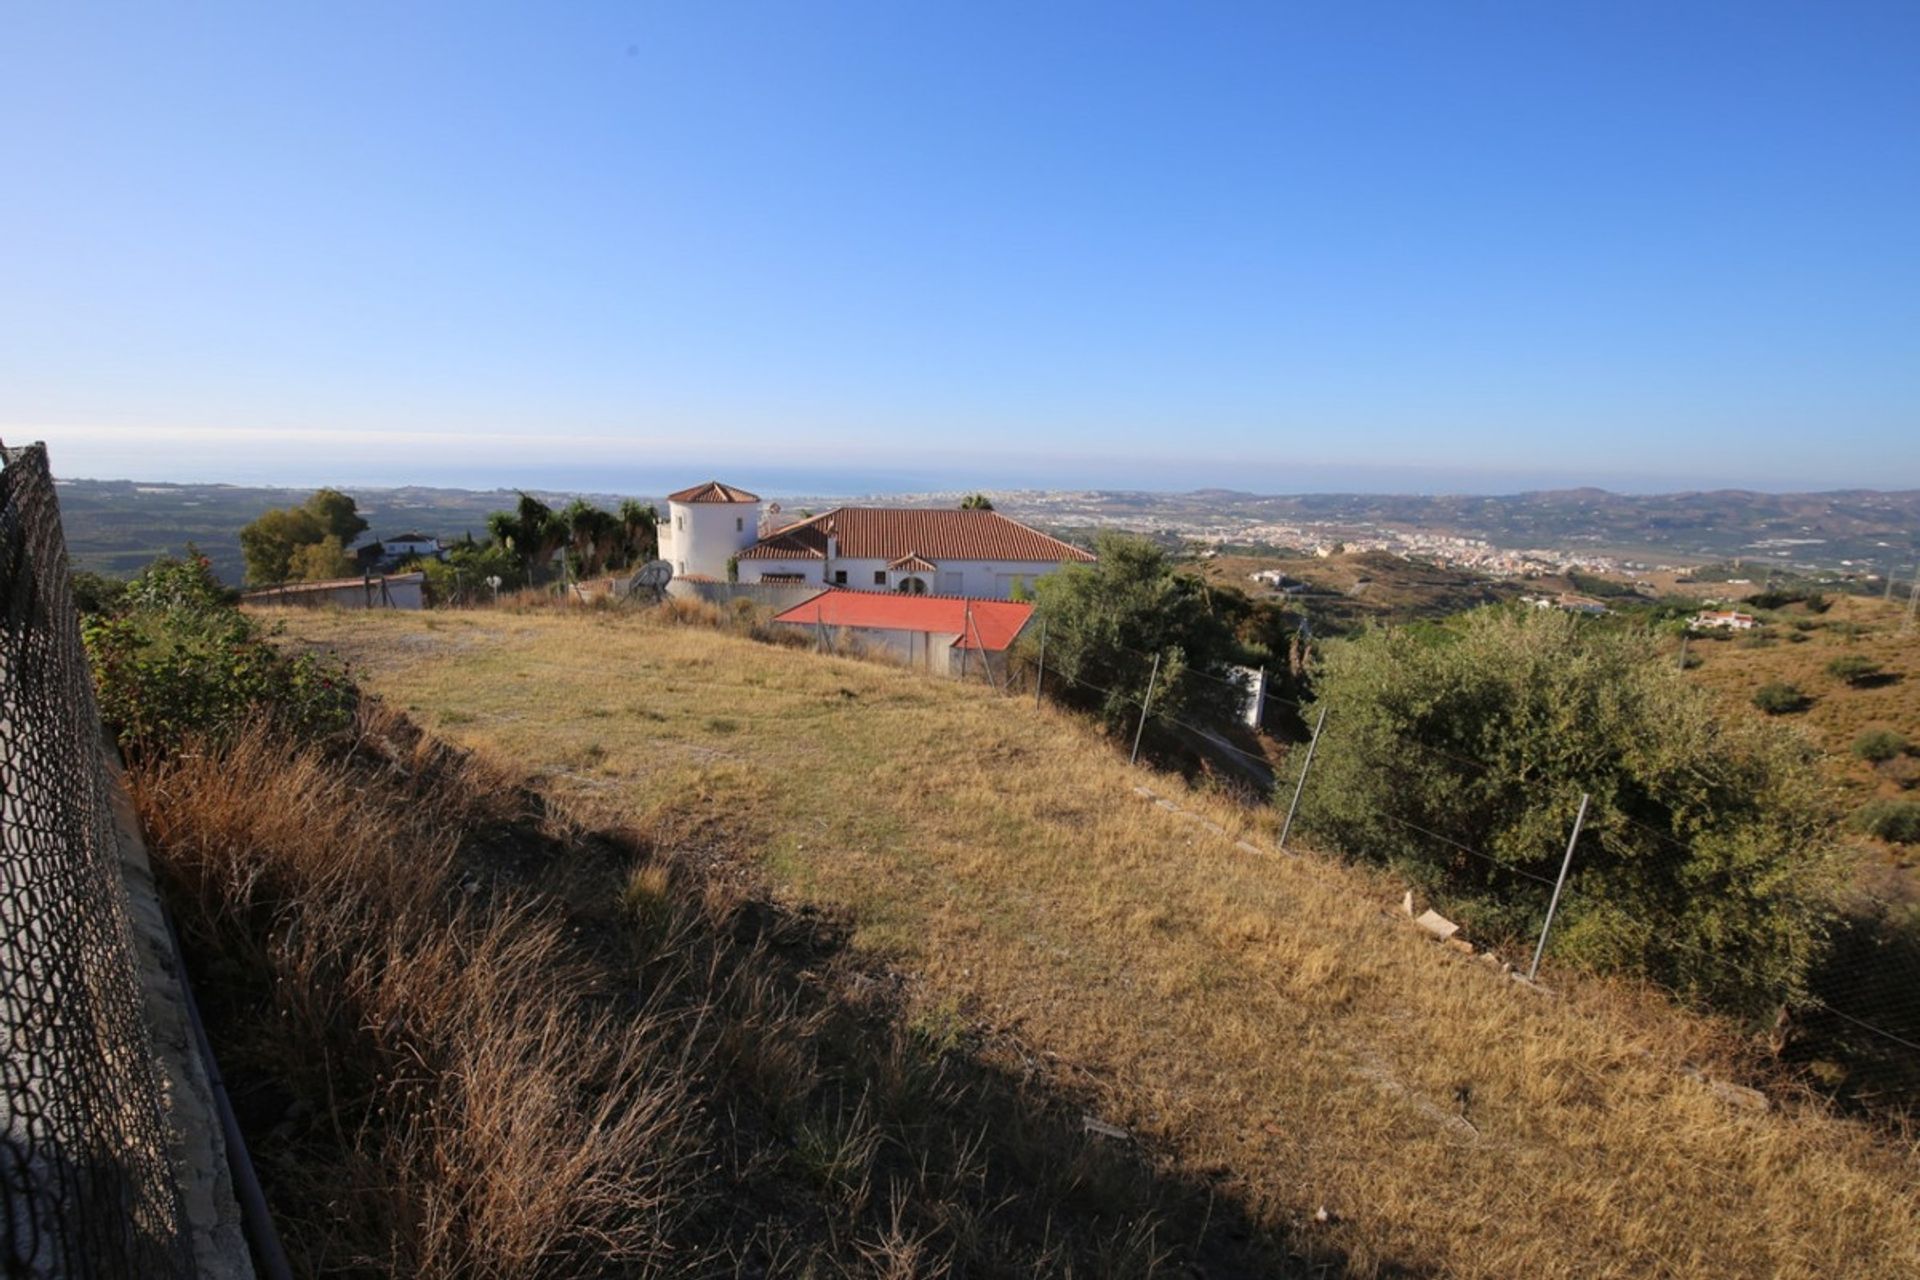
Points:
[(909, 549)]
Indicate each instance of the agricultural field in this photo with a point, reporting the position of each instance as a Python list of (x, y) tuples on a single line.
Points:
[(1268, 1026)]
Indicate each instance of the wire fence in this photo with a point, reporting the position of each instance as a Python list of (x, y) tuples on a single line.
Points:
[(1853, 1018), (84, 1161)]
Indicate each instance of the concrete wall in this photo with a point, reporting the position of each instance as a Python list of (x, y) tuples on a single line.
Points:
[(700, 537), (771, 594), (403, 591), (199, 1148)]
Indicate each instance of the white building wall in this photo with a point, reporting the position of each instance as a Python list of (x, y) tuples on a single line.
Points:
[(981, 579), (811, 571), (700, 537)]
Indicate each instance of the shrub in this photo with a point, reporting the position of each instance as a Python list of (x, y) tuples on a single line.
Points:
[(1778, 698), (1879, 744), (1854, 668), (180, 658), (1707, 863), (97, 593), (1895, 820)]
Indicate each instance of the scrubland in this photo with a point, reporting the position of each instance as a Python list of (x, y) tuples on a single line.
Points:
[(1269, 1032)]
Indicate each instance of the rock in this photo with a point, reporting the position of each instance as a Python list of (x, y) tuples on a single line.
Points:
[(1406, 904), (1436, 924), (1461, 945)]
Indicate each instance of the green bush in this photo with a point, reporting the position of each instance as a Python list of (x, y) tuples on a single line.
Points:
[(179, 658), (1901, 771), (1707, 862), (1778, 698), (1879, 744), (1895, 820), (1854, 668)]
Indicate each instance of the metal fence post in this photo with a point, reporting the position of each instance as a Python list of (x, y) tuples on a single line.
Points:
[(1286, 828), (1040, 675), (1579, 819), (1144, 705)]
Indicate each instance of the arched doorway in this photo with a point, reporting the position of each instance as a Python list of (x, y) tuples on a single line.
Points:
[(913, 586)]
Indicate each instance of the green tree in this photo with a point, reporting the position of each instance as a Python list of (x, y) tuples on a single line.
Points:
[(976, 502), (593, 535), (640, 529), (274, 545), (1458, 755), (1107, 620), (337, 515), (271, 542), (318, 561)]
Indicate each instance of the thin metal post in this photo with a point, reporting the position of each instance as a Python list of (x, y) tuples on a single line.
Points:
[(1151, 677), (1040, 676), (1579, 819), (1306, 765), (1913, 605), (1683, 651)]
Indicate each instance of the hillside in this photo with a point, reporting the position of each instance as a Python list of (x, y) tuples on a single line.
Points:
[(1344, 591), (1267, 1026), (1795, 647)]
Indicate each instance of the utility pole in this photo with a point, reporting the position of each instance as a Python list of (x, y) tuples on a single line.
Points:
[(1913, 605), (1306, 765), (1683, 651), (1892, 569), (1151, 677), (1579, 820), (1040, 676)]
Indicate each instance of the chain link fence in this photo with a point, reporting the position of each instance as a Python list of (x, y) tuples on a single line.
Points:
[(88, 1184)]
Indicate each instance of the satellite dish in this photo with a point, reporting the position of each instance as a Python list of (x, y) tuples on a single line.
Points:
[(651, 581), (774, 508)]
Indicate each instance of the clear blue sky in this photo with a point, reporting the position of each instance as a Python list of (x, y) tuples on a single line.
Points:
[(1286, 247)]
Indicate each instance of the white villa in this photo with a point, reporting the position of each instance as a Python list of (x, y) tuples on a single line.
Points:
[(950, 552)]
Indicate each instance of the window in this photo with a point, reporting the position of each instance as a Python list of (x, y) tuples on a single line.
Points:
[(879, 577), (839, 577), (739, 524), (679, 522)]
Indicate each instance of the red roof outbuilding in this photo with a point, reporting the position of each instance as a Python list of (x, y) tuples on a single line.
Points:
[(980, 624)]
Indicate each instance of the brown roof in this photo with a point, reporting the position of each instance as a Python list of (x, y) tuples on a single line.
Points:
[(713, 491), (914, 563), (888, 533)]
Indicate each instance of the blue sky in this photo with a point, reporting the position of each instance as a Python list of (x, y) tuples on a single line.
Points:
[(1282, 247)]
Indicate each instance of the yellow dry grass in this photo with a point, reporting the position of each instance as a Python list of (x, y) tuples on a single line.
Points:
[(1272, 1024)]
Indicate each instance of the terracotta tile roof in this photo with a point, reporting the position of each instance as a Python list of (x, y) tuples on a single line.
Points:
[(713, 491), (913, 563), (994, 623), (887, 533)]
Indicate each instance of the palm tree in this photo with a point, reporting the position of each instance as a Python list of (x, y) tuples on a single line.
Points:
[(976, 502), (639, 531), (591, 532)]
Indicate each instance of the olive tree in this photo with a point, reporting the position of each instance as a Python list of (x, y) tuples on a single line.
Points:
[(1458, 755)]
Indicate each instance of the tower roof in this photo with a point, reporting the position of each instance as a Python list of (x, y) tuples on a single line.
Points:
[(713, 491)]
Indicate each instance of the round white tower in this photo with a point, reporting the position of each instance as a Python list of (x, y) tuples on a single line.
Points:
[(706, 526)]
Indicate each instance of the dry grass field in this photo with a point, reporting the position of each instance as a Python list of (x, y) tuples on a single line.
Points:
[(1795, 648), (1271, 1027)]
